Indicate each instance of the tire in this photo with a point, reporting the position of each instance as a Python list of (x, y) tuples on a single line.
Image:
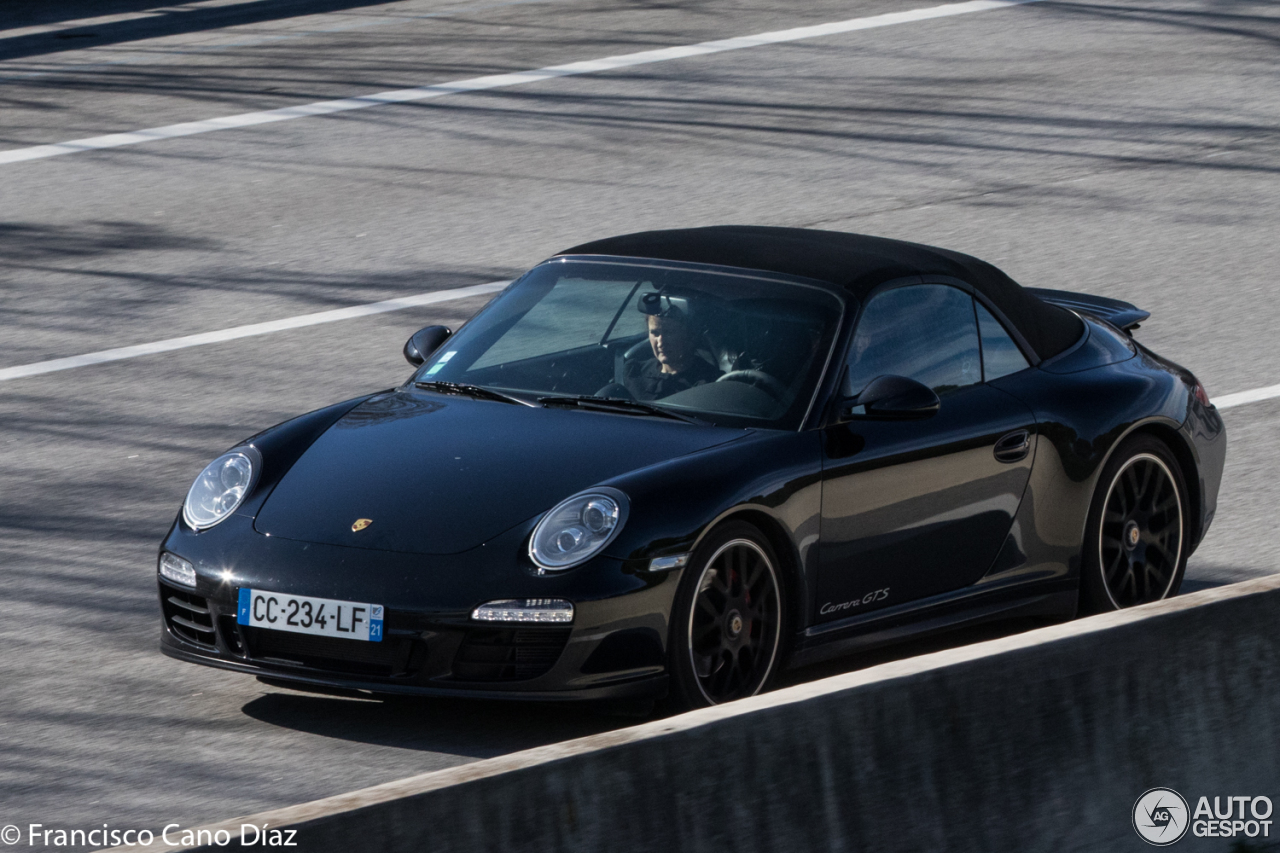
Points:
[(729, 620), (1136, 541)]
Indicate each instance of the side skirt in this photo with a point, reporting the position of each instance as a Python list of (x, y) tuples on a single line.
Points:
[(931, 616)]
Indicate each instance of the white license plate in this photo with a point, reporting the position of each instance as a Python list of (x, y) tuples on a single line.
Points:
[(302, 614)]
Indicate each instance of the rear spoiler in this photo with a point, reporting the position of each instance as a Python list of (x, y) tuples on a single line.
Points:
[(1122, 315)]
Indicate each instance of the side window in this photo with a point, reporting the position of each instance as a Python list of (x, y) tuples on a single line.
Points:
[(1000, 355), (926, 332)]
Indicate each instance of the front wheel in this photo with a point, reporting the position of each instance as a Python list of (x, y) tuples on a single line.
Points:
[(728, 622), (1135, 548)]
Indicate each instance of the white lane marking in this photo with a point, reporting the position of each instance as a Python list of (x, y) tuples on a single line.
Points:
[(500, 81), (298, 322), (1240, 398)]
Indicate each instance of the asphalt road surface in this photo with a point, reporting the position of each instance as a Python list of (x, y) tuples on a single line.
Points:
[(1126, 148)]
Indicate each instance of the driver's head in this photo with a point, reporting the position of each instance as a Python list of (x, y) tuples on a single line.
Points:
[(672, 340), (671, 330)]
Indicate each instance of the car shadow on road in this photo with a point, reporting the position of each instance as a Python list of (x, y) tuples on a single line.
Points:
[(1200, 584), (1203, 575), (155, 20), (466, 727)]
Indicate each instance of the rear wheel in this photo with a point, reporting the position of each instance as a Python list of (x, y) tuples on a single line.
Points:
[(728, 622), (1135, 548)]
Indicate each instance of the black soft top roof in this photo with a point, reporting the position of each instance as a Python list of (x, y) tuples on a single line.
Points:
[(854, 261)]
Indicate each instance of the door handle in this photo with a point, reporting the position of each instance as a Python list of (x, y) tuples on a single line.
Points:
[(1013, 447)]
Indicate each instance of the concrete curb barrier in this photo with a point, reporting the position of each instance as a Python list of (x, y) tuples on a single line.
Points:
[(1040, 741)]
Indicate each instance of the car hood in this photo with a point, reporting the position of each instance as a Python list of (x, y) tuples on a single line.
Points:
[(441, 475)]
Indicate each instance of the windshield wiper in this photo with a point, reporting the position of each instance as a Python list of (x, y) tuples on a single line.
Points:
[(618, 406), (476, 391)]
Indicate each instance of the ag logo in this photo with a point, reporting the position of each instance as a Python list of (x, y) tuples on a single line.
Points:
[(1160, 816), (361, 524)]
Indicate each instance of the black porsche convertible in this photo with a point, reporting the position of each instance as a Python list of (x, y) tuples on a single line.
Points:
[(673, 463)]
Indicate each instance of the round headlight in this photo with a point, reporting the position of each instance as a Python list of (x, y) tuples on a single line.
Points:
[(577, 529), (220, 488)]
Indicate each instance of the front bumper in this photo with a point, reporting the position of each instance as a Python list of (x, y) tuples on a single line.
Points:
[(423, 655), (614, 648)]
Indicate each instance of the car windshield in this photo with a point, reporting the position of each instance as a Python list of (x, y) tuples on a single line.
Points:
[(730, 349)]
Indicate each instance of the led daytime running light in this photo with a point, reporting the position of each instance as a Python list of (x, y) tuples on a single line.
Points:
[(555, 610)]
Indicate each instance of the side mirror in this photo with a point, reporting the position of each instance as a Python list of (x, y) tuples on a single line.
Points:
[(424, 342), (893, 398)]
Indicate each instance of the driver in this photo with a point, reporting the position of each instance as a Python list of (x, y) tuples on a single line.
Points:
[(676, 364)]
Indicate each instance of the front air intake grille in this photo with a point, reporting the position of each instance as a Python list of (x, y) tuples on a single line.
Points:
[(394, 656), (188, 617), (508, 654)]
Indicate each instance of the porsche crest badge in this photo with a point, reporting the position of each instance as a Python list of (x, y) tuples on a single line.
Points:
[(361, 524)]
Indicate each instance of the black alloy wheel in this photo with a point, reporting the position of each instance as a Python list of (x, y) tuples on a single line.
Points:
[(1136, 545), (728, 622)]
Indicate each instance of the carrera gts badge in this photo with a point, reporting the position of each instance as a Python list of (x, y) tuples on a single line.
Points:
[(361, 524)]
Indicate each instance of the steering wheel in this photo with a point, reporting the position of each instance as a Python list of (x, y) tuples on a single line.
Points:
[(759, 379)]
